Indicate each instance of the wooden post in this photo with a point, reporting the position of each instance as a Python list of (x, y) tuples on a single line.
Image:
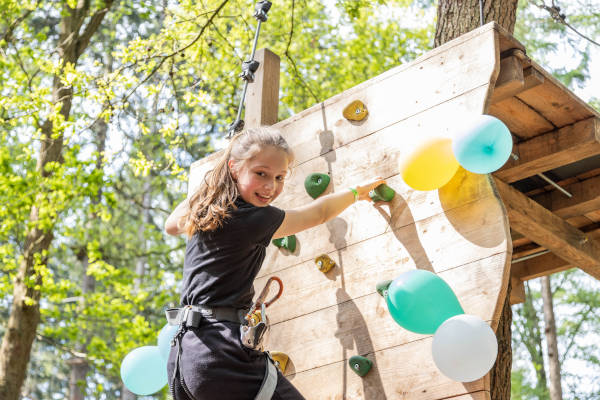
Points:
[(262, 98)]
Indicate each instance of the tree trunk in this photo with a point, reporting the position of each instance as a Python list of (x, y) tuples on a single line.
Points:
[(532, 339), (24, 317), (500, 373), (551, 342), (80, 366), (456, 17)]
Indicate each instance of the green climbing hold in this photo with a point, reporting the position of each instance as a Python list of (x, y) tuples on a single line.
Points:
[(382, 193), (288, 242), (382, 287), (315, 184), (361, 365)]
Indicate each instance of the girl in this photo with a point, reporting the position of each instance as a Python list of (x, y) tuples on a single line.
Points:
[(229, 223)]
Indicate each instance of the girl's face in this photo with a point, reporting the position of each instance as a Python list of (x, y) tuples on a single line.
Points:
[(260, 179)]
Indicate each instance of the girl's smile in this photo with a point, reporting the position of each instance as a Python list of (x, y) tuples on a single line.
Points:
[(260, 179)]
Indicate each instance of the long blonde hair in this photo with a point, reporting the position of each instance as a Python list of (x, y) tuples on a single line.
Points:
[(210, 204)]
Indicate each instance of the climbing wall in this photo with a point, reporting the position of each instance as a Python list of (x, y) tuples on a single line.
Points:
[(460, 231)]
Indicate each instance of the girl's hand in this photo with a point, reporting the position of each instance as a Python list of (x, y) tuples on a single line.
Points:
[(364, 189)]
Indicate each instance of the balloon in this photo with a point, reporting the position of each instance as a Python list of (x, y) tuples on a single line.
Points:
[(483, 144), (144, 370), (464, 348), (430, 166), (165, 336), (420, 301)]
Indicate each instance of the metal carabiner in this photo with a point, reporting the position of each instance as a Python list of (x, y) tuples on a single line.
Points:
[(260, 300)]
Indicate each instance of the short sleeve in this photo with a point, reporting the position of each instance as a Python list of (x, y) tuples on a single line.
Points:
[(269, 219)]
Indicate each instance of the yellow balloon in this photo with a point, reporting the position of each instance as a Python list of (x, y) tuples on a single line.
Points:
[(430, 166)]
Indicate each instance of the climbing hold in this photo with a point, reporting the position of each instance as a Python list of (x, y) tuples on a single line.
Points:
[(280, 359), (315, 184), (288, 242), (355, 111), (324, 263), (361, 365), (382, 287), (382, 193)]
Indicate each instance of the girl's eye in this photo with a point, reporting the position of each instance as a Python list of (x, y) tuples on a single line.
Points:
[(280, 178), (260, 173)]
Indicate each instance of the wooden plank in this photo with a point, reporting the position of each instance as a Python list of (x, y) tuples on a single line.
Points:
[(553, 149), (556, 102), (545, 264), (362, 265), (470, 59), (522, 120), (363, 325), (549, 230), (363, 221), (420, 378), (586, 199), (262, 97)]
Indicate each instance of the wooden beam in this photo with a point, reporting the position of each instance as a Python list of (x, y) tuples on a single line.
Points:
[(545, 264), (554, 149), (550, 231), (510, 79), (586, 199), (513, 79), (262, 99), (517, 291)]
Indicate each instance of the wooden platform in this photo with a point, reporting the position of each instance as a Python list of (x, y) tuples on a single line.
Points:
[(461, 231)]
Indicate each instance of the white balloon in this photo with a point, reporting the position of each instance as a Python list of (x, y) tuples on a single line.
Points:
[(464, 348)]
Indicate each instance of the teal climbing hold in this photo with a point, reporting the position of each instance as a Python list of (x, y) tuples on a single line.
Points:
[(382, 193), (361, 365), (382, 287), (315, 184), (288, 242)]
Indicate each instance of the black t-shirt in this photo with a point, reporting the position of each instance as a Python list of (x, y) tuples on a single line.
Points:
[(220, 265)]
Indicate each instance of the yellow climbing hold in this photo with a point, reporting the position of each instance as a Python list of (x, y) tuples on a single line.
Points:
[(324, 263), (280, 359), (355, 111)]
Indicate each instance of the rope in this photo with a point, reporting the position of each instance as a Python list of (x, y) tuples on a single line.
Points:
[(249, 67), (481, 13), (559, 17)]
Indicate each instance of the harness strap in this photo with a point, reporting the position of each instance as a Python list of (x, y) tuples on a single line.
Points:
[(191, 316), (267, 388)]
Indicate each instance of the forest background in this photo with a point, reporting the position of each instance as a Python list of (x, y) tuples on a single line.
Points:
[(133, 92)]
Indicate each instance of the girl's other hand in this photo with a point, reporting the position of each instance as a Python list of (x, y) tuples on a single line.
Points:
[(364, 189)]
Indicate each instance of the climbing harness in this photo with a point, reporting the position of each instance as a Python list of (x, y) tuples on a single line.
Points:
[(252, 332), (253, 326), (250, 66)]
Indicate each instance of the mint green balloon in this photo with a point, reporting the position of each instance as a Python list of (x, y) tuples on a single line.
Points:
[(420, 301)]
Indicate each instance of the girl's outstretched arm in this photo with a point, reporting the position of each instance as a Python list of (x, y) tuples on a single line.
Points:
[(172, 226), (323, 209)]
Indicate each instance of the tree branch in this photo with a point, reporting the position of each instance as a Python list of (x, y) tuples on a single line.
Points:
[(92, 27)]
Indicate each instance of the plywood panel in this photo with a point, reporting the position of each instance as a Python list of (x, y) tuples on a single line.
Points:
[(459, 231), (390, 97), (420, 378)]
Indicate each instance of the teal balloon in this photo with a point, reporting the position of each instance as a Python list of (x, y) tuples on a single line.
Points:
[(420, 301), (482, 145), (144, 370), (166, 334)]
